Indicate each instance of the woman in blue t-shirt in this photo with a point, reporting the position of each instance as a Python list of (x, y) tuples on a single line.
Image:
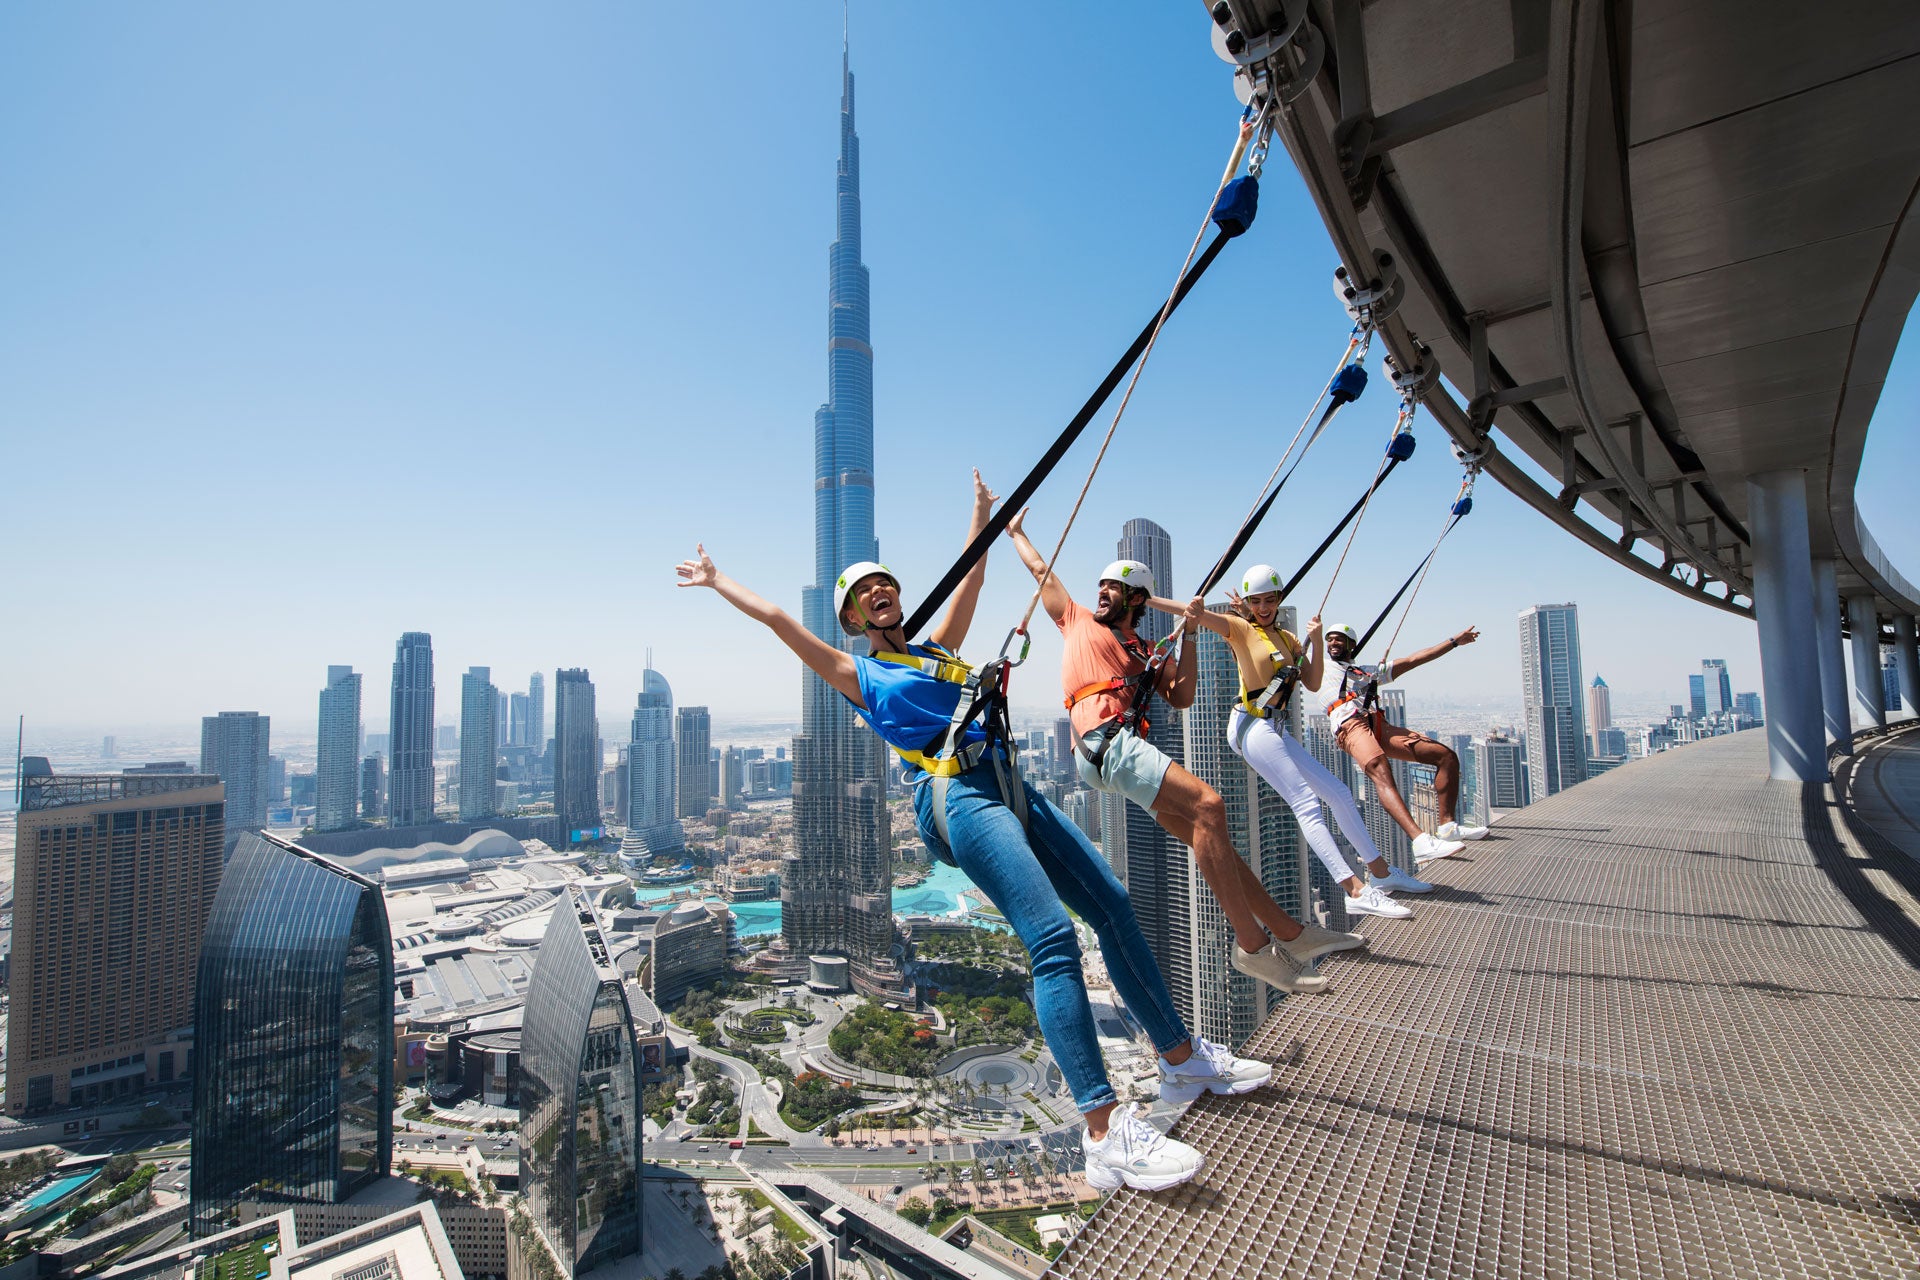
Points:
[(1032, 874)]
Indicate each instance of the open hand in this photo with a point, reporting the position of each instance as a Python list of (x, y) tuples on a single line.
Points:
[(1467, 637), (983, 497), (698, 572), (1014, 525)]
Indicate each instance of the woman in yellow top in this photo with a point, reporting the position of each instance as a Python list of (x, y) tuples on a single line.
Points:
[(1272, 662)]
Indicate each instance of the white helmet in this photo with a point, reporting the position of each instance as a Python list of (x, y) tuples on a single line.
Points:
[(849, 578), (1346, 629), (1259, 579), (1130, 574)]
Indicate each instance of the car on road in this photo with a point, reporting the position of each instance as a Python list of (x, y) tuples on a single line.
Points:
[(706, 1148), (913, 1151), (736, 1144)]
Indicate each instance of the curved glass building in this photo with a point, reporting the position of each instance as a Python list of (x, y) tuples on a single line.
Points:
[(579, 1097), (293, 1019)]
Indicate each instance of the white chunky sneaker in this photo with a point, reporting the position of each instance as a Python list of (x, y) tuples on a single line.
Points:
[(1426, 848), (1398, 881), (1137, 1155), (1459, 831), (1280, 968), (1214, 1068), (1315, 942), (1371, 902)]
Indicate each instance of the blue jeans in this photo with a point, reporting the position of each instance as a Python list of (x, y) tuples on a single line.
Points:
[(1033, 882)]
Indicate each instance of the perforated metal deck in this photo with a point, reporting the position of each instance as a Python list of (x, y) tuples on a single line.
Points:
[(1664, 1024)]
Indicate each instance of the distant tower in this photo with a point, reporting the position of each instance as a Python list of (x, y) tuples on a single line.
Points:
[(233, 747), (1158, 866), (651, 797), (693, 735), (337, 774), (1716, 687), (410, 732), (1599, 716), (537, 711), (479, 758), (836, 886), (373, 788), (1550, 677), (576, 748)]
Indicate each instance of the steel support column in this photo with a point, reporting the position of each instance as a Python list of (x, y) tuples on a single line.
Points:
[(1833, 655), (1869, 694), (1783, 610), (1906, 655)]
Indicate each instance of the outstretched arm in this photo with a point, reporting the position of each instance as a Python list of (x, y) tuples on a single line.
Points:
[(1221, 624), (952, 631), (1403, 665), (1052, 595), (833, 665)]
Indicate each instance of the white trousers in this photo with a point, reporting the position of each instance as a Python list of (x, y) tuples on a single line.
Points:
[(1305, 785)]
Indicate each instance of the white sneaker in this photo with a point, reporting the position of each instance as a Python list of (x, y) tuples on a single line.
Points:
[(1136, 1154), (1426, 848), (1458, 831), (1213, 1068), (1280, 968), (1371, 902), (1398, 881)]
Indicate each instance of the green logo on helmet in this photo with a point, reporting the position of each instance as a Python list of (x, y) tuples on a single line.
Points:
[(1126, 571)]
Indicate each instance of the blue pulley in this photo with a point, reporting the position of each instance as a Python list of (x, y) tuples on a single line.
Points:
[(1233, 211), (1349, 383), (1463, 506), (1400, 448)]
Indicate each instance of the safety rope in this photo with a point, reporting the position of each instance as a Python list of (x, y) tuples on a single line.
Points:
[(1402, 424), (1462, 504), (1248, 126), (1230, 228)]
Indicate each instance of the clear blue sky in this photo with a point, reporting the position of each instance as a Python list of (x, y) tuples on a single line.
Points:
[(320, 325)]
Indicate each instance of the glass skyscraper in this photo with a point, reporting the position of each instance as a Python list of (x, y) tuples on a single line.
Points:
[(651, 796), (410, 730), (579, 1096), (576, 756), (336, 783), (1556, 720), (836, 887), (479, 704), (293, 1024), (233, 748)]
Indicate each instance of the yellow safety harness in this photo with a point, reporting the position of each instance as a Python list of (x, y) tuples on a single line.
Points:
[(934, 758), (946, 756), (1273, 699)]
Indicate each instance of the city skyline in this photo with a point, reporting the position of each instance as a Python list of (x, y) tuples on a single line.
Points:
[(957, 235)]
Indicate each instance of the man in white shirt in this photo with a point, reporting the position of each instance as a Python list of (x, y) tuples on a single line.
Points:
[(1363, 731)]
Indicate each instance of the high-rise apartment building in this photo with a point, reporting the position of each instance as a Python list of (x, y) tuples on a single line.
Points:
[(1503, 774), (517, 726), (650, 767), (233, 748), (1716, 687), (336, 783), (1550, 680), (1697, 696), (1748, 705), (1599, 716), (733, 779), (1226, 1005), (576, 755), (537, 711), (1158, 877), (479, 756), (502, 717), (114, 875), (293, 1024), (410, 755), (373, 788), (693, 738), (580, 1111), (836, 885), (1470, 811)]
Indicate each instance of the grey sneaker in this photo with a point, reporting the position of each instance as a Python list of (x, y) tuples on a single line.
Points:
[(1314, 942), (1213, 1068), (1398, 881), (1279, 967), (1136, 1154)]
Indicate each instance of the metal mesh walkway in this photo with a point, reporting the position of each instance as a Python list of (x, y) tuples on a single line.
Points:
[(1664, 1024)]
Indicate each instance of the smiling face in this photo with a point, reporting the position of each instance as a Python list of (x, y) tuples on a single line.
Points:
[(878, 597), (1264, 607), (1111, 606), (1339, 647)]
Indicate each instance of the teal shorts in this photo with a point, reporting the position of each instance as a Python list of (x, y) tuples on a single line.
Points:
[(1132, 767)]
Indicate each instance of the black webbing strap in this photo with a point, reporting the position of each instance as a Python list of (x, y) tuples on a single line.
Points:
[(1345, 520), (1403, 588), (1018, 499), (1252, 525)]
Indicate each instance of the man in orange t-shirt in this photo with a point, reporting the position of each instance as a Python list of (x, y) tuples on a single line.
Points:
[(1102, 667)]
